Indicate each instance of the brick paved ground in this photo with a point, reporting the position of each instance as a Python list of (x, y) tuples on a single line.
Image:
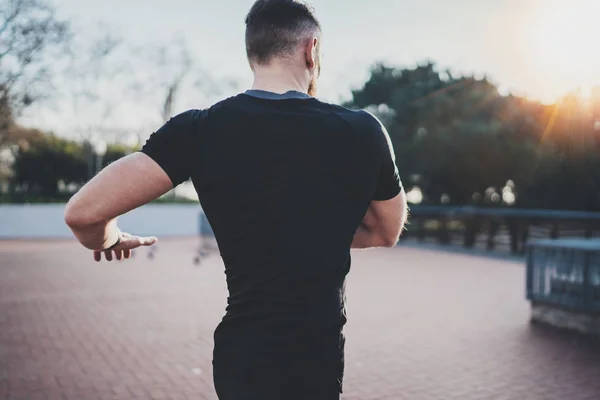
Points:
[(424, 325)]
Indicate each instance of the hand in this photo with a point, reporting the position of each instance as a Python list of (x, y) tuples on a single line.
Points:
[(123, 250)]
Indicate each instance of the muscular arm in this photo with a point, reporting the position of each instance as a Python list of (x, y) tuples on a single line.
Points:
[(386, 216), (163, 163), (383, 223), (121, 187)]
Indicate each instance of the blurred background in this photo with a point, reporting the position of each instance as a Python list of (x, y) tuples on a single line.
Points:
[(488, 103), (493, 107)]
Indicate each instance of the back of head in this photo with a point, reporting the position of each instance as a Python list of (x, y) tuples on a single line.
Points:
[(276, 28)]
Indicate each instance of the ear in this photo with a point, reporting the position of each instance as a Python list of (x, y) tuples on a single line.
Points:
[(311, 53)]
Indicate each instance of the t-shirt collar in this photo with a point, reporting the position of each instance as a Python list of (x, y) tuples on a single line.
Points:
[(263, 94)]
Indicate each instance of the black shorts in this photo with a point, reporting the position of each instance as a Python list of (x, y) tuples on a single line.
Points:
[(240, 388), (279, 368)]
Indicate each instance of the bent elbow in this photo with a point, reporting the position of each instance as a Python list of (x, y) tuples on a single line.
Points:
[(75, 216), (389, 241)]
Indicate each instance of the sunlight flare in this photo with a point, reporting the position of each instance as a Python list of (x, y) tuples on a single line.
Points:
[(565, 37)]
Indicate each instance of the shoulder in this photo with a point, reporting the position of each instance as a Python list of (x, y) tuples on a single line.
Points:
[(369, 127), (195, 120), (361, 120), (225, 104), (199, 115), (184, 122), (371, 122)]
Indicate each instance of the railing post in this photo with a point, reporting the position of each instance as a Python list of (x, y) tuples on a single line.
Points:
[(554, 234), (421, 229), (444, 234), (587, 287), (492, 230), (514, 234), (523, 236), (529, 273), (471, 230)]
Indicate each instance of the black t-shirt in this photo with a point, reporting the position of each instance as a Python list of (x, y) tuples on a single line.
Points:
[(285, 181)]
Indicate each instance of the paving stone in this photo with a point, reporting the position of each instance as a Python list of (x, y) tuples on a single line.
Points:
[(423, 325)]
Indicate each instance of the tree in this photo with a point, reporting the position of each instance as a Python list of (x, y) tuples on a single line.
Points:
[(30, 38), (460, 141), (40, 164), (455, 137), (15, 136)]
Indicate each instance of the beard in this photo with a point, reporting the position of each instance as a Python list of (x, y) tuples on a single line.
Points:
[(312, 87)]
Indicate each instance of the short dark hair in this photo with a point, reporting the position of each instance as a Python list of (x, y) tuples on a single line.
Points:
[(275, 28)]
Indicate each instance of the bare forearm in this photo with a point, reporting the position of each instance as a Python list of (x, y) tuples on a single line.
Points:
[(121, 187), (98, 236)]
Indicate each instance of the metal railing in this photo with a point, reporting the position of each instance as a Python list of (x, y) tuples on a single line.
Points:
[(565, 273), (497, 228), (500, 229)]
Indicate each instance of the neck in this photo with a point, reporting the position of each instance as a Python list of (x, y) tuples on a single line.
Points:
[(278, 79)]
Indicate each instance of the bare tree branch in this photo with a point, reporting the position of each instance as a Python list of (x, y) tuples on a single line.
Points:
[(29, 33)]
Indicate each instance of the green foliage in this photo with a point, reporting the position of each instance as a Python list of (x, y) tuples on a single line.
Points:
[(456, 138), (43, 163), (459, 140), (40, 164)]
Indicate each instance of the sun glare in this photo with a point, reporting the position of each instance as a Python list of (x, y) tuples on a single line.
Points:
[(566, 35), (586, 91)]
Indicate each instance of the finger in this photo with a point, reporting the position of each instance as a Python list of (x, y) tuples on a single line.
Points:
[(119, 254), (97, 256), (147, 241), (108, 255), (127, 253)]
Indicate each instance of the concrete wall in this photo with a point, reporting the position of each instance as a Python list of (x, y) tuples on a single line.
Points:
[(46, 221), (588, 324)]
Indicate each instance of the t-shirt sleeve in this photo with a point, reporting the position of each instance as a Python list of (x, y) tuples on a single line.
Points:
[(389, 184), (171, 146)]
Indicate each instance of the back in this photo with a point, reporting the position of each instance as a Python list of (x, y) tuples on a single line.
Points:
[(284, 182)]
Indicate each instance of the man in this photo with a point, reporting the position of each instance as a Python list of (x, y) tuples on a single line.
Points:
[(289, 185)]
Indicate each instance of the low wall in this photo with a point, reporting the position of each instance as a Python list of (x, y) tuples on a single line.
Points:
[(564, 319), (45, 221)]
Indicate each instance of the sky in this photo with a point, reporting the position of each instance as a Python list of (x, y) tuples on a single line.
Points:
[(537, 48)]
